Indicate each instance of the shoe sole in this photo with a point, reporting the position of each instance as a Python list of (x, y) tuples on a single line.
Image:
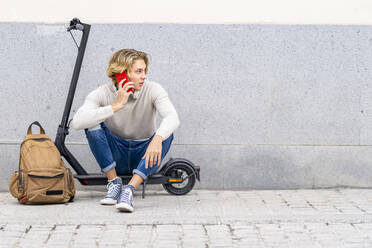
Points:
[(108, 202), (123, 207)]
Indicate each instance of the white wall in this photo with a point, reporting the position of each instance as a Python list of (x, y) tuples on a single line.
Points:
[(190, 11)]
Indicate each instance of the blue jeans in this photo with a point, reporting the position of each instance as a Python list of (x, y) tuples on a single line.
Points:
[(125, 156)]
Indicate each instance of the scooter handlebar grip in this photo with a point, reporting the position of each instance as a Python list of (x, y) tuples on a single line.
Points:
[(79, 27)]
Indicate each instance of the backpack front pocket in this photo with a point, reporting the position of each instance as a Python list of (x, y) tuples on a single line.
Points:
[(45, 186)]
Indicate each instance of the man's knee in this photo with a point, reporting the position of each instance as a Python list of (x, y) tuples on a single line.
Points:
[(167, 143), (93, 128), (170, 137)]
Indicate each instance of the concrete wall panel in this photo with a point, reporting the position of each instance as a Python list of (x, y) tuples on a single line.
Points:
[(291, 104)]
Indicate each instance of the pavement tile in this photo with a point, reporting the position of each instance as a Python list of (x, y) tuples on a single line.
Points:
[(203, 218)]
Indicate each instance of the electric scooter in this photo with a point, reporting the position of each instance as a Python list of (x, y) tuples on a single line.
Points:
[(178, 175)]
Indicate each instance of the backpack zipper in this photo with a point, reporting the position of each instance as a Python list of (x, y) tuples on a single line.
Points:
[(36, 176), (20, 182), (37, 139), (70, 179)]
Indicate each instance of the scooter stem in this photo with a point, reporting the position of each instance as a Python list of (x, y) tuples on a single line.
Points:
[(62, 131)]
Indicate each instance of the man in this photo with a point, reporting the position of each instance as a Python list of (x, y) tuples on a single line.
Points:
[(121, 126)]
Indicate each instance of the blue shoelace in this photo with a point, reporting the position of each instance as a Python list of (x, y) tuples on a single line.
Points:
[(127, 196), (113, 190)]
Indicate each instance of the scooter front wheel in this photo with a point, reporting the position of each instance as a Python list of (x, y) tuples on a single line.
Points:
[(176, 172)]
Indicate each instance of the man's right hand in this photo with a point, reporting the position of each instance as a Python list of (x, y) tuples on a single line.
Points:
[(123, 95)]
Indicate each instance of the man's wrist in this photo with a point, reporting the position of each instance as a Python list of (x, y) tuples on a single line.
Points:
[(116, 107), (158, 138)]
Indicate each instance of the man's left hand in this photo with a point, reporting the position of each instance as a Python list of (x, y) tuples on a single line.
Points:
[(153, 152)]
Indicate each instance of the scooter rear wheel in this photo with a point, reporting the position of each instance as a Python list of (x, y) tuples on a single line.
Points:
[(176, 171)]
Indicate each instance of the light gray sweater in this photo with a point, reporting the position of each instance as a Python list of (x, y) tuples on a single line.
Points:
[(137, 120)]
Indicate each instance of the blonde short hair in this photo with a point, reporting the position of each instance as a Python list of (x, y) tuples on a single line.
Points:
[(123, 60)]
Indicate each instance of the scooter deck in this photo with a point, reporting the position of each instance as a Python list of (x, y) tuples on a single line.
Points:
[(101, 179)]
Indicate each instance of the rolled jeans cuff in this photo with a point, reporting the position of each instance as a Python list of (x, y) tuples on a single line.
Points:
[(109, 167), (140, 173)]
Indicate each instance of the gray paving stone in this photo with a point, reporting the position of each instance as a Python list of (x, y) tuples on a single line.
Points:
[(283, 218)]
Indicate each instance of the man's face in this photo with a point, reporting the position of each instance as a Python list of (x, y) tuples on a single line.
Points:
[(137, 74)]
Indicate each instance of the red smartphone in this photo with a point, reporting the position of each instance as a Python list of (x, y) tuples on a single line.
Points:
[(121, 76)]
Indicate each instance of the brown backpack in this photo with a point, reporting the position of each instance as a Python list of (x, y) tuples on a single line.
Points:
[(42, 176)]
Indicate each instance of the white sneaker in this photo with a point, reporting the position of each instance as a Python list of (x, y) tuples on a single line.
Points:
[(113, 193), (125, 202)]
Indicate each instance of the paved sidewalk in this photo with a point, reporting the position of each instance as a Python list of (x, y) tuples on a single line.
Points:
[(282, 218)]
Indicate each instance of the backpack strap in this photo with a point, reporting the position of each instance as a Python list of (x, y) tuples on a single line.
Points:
[(29, 130)]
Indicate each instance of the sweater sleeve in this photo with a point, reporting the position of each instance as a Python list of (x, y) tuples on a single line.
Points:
[(90, 114), (167, 112)]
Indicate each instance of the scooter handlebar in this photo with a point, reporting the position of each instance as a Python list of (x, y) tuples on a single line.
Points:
[(75, 24)]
